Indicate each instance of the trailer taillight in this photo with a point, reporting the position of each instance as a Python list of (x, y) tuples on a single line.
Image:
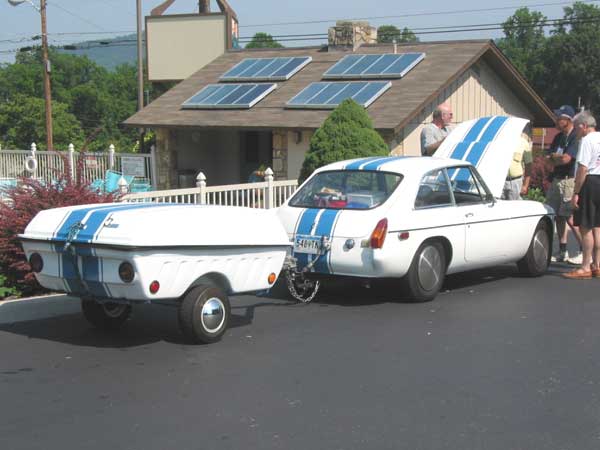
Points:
[(378, 234), (154, 287)]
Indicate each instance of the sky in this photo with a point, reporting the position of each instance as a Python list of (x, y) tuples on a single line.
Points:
[(72, 21)]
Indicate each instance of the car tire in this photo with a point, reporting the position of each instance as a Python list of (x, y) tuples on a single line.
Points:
[(105, 316), (537, 259), (427, 271), (204, 314)]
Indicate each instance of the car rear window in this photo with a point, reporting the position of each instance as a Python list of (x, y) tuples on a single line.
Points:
[(346, 189)]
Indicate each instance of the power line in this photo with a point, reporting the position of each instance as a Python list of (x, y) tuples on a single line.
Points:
[(435, 13)]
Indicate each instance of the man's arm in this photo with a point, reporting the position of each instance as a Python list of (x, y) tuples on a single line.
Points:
[(430, 149), (579, 179), (428, 143)]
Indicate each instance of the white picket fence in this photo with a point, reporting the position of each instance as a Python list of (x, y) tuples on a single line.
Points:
[(46, 165), (266, 194)]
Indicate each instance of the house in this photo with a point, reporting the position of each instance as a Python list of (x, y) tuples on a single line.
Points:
[(228, 144)]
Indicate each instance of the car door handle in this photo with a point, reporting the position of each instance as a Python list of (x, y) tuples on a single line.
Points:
[(469, 214)]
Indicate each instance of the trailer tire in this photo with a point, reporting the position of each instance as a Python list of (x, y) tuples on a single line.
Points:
[(106, 316), (204, 314)]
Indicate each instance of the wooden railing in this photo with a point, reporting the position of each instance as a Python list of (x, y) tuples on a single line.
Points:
[(265, 194)]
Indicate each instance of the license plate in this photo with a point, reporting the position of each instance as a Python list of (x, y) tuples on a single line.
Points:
[(307, 244)]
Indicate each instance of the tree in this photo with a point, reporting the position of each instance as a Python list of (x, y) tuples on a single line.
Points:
[(263, 40), (572, 58), (524, 43), (23, 121), (387, 34), (347, 133)]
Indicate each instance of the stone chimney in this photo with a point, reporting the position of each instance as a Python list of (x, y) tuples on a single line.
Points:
[(348, 35)]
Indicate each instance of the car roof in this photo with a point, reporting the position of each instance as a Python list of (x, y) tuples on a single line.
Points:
[(395, 164)]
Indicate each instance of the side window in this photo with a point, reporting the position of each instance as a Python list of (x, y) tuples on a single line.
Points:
[(465, 186), (433, 191)]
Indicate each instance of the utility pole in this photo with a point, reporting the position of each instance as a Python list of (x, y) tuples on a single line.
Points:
[(46, 63), (47, 88), (140, 68)]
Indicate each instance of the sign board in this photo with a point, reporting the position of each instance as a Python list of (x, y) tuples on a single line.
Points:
[(179, 45), (91, 162), (134, 166)]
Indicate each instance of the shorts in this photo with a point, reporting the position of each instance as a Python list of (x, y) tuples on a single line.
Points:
[(559, 196), (588, 213), (512, 189)]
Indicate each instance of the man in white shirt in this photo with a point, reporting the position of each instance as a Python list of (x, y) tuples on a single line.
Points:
[(434, 133), (586, 196)]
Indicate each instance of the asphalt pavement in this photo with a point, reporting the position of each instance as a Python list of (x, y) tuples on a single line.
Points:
[(496, 361)]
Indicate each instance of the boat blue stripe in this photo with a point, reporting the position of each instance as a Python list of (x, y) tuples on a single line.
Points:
[(97, 218), (488, 136), (356, 164)]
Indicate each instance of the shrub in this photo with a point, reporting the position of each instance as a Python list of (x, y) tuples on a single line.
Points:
[(347, 133), (21, 204), (540, 169), (536, 194), (6, 291)]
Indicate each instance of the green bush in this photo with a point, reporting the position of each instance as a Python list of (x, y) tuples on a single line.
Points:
[(536, 194), (6, 291), (347, 133)]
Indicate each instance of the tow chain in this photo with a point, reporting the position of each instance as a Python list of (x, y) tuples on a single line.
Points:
[(300, 287), (70, 249)]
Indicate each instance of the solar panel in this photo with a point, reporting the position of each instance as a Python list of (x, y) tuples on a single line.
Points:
[(266, 69), (229, 96), (326, 95), (387, 65)]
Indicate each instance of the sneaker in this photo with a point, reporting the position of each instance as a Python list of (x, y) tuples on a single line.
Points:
[(561, 257), (577, 259)]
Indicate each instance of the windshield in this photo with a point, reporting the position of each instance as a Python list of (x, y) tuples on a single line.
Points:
[(346, 189)]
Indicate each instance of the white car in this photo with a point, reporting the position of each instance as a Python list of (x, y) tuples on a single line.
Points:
[(417, 218)]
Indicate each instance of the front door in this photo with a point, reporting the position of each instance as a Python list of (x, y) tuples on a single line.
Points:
[(256, 154)]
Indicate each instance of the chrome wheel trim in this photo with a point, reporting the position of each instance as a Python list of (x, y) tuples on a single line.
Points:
[(212, 315), (429, 267), (114, 310), (540, 249)]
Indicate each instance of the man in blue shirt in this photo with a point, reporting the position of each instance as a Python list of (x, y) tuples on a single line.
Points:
[(562, 155)]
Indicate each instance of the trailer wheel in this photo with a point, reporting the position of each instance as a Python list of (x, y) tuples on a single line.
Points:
[(204, 314), (106, 316)]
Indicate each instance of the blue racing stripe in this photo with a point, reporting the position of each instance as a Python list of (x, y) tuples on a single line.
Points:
[(461, 148), (325, 228), (356, 164), (76, 216), (374, 165), (488, 136), (307, 219)]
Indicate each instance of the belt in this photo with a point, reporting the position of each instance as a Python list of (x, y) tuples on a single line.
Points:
[(513, 178)]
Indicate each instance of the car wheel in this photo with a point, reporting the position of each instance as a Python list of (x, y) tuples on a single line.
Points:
[(426, 273), (106, 316), (537, 259), (204, 314)]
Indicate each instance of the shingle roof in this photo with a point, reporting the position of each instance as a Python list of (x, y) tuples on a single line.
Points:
[(444, 62)]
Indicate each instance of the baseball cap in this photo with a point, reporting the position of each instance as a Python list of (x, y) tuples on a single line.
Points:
[(565, 111)]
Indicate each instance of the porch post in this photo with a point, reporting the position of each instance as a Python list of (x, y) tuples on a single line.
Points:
[(153, 169), (111, 156), (270, 200), (71, 159), (201, 184), (33, 155)]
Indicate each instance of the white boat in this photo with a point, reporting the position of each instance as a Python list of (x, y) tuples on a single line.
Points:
[(194, 256)]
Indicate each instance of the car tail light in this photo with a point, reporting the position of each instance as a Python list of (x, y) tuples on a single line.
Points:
[(36, 262), (154, 287), (378, 234), (126, 272)]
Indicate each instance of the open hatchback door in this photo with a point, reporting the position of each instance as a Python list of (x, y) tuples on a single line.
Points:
[(488, 143)]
